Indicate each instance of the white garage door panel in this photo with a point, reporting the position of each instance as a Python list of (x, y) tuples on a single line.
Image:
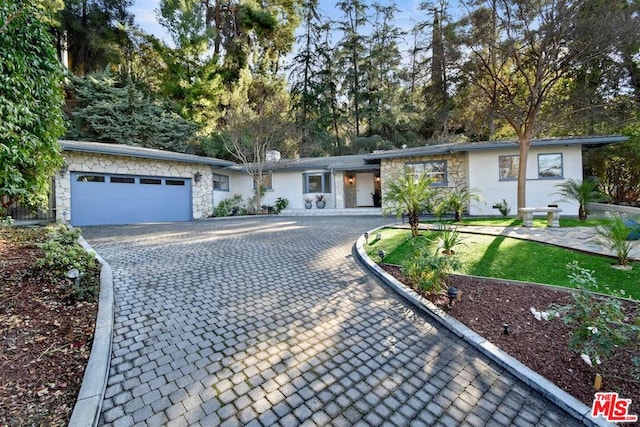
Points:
[(116, 199)]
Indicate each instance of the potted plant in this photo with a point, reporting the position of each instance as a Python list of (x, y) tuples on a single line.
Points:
[(321, 201), (308, 202)]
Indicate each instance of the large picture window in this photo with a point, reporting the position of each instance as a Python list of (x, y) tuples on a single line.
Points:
[(550, 166), (436, 170), (319, 182), (508, 167), (220, 182)]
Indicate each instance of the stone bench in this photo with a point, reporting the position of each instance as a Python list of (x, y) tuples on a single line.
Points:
[(553, 216)]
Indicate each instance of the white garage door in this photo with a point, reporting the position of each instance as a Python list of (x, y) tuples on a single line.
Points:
[(98, 199)]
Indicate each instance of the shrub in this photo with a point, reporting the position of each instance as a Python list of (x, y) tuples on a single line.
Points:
[(281, 204), (63, 253), (601, 322), (503, 208), (229, 206), (429, 271)]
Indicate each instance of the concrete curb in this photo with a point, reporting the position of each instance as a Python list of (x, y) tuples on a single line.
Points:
[(561, 398), (86, 411)]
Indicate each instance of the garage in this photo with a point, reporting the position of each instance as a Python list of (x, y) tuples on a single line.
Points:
[(98, 199)]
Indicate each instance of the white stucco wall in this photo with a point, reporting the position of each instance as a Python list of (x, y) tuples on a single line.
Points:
[(112, 164), (285, 183), (484, 177)]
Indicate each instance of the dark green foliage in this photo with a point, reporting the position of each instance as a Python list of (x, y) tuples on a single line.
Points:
[(121, 113), (618, 167), (281, 204), (230, 206), (503, 208), (63, 253), (96, 33), (31, 101)]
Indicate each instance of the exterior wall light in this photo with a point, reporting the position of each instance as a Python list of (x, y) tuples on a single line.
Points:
[(64, 169), (197, 177)]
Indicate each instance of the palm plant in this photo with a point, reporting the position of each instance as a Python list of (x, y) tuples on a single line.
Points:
[(615, 237), (581, 192), (448, 239), (409, 194), (456, 202)]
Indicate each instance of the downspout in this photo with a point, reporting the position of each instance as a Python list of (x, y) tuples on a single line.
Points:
[(335, 189), (213, 191)]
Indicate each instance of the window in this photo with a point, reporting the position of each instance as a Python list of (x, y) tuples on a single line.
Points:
[(550, 166), (90, 178), (220, 182), (174, 182), (122, 180), (266, 181), (436, 170), (319, 182), (508, 167), (150, 181)]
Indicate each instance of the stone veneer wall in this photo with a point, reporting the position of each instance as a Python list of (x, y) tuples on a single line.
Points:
[(457, 170), (201, 193)]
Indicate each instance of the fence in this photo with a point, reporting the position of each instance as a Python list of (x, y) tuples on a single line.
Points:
[(20, 212)]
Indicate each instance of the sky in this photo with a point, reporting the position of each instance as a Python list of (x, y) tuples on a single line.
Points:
[(145, 14)]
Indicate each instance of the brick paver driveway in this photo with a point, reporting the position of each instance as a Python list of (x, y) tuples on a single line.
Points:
[(270, 321)]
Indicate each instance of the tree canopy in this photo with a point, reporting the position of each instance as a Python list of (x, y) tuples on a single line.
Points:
[(468, 70)]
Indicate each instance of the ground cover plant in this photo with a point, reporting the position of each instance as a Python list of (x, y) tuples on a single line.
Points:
[(504, 257), (46, 326)]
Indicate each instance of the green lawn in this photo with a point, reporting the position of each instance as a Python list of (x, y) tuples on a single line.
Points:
[(539, 222), (503, 257)]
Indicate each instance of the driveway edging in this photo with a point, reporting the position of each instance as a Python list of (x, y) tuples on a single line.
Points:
[(555, 394), (86, 411)]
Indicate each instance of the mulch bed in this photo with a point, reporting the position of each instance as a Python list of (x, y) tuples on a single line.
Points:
[(487, 304), (45, 340)]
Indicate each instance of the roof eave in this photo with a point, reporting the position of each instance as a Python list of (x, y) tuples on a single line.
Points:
[(121, 150)]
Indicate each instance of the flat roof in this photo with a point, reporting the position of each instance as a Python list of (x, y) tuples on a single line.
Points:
[(140, 152), (339, 163), (427, 150)]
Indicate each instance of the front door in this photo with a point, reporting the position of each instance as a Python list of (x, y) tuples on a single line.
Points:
[(364, 189)]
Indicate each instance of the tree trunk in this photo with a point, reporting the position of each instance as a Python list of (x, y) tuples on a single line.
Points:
[(414, 221), (524, 143), (582, 213)]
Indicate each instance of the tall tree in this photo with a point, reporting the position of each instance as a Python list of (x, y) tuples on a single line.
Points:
[(95, 33), (382, 72), (307, 87), (31, 101), (352, 50), (444, 50), (517, 70)]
